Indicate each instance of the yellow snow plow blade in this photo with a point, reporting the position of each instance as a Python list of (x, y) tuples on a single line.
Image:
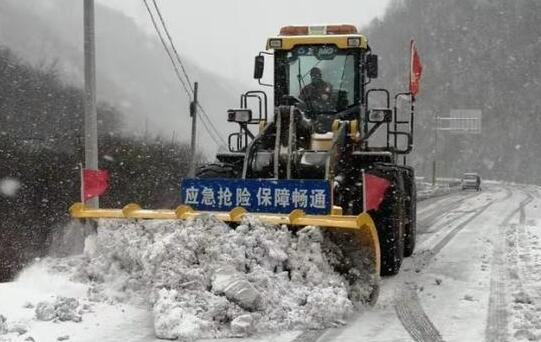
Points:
[(361, 226)]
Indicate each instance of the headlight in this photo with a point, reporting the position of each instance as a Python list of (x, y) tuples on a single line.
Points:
[(380, 115), (354, 42), (275, 43), (239, 115)]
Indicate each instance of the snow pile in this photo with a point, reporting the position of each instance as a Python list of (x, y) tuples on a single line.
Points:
[(523, 242), (203, 279), (63, 309)]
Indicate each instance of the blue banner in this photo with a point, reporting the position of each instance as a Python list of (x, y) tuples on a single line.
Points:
[(257, 195)]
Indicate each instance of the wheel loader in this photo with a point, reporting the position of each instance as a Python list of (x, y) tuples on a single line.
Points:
[(331, 155)]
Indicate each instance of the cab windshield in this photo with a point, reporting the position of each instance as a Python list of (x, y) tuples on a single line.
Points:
[(323, 77)]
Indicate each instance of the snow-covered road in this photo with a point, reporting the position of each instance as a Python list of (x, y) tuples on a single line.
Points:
[(475, 276)]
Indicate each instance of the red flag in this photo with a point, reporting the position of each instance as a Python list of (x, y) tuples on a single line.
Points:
[(95, 183), (415, 70), (374, 191)]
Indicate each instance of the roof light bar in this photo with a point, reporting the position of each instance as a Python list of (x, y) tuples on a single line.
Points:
[(294, 31), (342, 29), (318, 30)]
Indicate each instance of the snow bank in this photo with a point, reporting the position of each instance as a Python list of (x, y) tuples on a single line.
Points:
[(203, 279)]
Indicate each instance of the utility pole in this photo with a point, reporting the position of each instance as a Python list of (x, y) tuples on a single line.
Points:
[(91, 120), (193, 114)]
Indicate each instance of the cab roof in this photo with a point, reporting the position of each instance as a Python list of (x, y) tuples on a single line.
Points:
[(344, 36)]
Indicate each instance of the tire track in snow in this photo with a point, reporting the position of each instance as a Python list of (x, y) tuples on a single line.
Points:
[(414, 319), (496, 326), (497, 320), (424, 259), (448, 205), (408, 306), (443, 242), (432, 218)]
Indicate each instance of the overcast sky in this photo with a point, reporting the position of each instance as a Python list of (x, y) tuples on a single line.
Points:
[(224, 35)]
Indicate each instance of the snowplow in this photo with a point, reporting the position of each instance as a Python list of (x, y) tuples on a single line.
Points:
[(327, 157)]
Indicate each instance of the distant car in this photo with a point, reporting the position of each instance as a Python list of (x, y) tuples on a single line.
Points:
[(471, 181)]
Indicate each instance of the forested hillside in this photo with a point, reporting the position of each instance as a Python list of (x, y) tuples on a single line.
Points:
[(41, 139), (134, 73), (476, 54)]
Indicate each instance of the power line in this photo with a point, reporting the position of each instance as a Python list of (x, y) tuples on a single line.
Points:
[(206, 119), (177, 55), (206, 116), (164, 44), (219, 142), (172, 44), (209, 126)]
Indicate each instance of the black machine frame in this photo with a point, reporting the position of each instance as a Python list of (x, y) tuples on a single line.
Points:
[(394, 129)]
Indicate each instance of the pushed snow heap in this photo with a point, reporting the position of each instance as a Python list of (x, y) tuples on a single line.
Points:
[(204, 279), (63, 309)]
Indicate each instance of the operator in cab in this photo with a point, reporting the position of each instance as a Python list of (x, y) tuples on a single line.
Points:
[(318, 90)]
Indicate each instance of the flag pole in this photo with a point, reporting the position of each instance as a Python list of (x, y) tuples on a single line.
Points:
[(364, 190), (411, 66)]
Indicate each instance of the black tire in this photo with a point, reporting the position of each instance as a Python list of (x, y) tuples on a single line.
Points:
[(389, 220), (217, 170), (410, 228)]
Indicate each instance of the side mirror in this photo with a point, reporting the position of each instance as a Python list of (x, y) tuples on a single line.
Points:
[(372, 66), (259, 66)]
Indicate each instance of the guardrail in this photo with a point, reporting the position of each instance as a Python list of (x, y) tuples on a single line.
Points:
[(443, 186)]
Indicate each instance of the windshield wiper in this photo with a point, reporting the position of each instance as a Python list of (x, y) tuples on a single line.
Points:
[(302, 85), (343, 72)]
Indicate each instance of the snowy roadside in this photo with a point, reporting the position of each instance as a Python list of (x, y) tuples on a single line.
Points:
[(523, 254), (182, 280)]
